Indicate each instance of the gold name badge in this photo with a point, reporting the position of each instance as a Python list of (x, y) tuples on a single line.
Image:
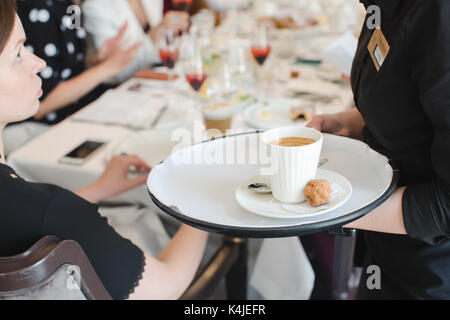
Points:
[(378, 48)]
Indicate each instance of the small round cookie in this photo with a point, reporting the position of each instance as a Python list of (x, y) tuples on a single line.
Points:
[(317, 192)]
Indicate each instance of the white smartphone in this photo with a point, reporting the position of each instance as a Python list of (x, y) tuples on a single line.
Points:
[(82, 153)]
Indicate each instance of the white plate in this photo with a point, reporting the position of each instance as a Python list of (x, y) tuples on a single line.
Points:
[(284, 71), (151, 146), (274, 115), (266, 205)]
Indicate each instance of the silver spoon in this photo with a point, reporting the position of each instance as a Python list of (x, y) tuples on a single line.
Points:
[(266, 188)]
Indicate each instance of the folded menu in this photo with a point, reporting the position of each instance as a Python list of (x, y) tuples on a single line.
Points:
[(118, 106)]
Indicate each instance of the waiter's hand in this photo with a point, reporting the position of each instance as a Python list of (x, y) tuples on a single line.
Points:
[(348, 123), (329, 123), (115, 179)]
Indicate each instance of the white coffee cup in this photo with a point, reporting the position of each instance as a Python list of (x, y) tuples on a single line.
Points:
[(294, 167)]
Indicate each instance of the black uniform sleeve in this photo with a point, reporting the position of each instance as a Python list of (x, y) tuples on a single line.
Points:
[(117, 261), (426, 206)]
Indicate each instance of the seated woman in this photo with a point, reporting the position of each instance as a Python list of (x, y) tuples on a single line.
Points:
[(30, 211), (104, 18)]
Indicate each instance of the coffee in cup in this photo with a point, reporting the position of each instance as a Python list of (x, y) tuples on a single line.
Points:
[(293, 142), (294, 153)]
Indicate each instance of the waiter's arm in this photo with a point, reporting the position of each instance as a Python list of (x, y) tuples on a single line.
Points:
[(387, 218)]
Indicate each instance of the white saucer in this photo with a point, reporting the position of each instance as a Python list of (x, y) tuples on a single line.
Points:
[(274, 115), (266, 205)]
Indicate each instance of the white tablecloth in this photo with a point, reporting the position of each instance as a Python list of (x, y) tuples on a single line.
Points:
[(38, 161)]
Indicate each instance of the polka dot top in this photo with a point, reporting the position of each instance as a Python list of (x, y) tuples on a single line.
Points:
[(54, 34)]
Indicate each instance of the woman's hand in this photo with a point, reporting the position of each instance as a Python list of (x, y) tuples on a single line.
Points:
[(113, 56), (173, 20), (115, 180), (117, 61), (112, 45)]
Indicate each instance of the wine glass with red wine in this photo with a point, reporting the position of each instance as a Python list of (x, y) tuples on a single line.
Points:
[(195, 72), (260, 46), (181, 5), (260, 54), (168, 47), (260, 51)]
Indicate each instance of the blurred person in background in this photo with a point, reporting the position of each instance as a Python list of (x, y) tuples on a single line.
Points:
[(146, 22), (69, 82)]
